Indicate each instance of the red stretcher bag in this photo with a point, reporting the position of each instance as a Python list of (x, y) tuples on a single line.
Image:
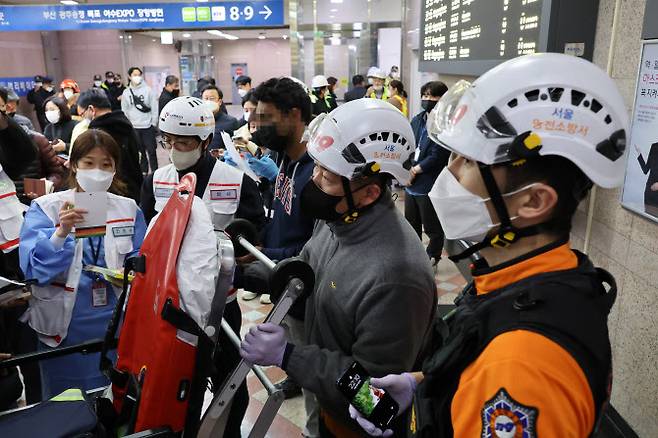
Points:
[(158, 380)]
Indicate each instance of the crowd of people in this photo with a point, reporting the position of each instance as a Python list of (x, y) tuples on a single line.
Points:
[(473, 166)]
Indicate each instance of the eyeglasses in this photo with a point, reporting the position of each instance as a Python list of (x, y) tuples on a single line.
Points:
[(188, 144)]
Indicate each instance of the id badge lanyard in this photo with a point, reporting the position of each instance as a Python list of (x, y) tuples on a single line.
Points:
[(98, 285)]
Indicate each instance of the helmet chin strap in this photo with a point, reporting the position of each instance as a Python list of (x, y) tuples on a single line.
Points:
[(352, 213), (506, 234)]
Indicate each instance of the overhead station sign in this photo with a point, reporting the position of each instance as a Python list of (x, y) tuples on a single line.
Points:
[(263, 13)]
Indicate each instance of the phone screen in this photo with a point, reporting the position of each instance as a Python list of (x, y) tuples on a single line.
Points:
[(374, 403)]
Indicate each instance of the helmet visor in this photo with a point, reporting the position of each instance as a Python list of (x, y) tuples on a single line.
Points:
[(449, 111)]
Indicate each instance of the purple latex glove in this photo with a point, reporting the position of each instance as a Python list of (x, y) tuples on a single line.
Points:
[(401, 387), (264, 345)]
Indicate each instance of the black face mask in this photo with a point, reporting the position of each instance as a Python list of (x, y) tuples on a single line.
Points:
[(428, 105), (175, 93), (317, 204), (266, 136)]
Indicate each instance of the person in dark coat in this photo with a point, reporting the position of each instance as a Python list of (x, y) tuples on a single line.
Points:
[(223, 122), (650, 167), (429, 160), (60, 126), (16, 153), (358, 90), (43, 90), (94, 105), (113, 89), (170, 91)]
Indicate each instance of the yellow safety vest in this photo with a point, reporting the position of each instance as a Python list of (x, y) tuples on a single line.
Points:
[(403, 101)]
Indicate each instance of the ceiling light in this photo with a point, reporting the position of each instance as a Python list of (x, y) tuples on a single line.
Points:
[(187, 35), (154, 40), (285, 37), (209, 45), (357, 34), (202, 1), (335, 41), (120, 37), (219, 33), (337, 1), (130, 37), (68, 2), (261, 36), (333, 10), (358, 26)]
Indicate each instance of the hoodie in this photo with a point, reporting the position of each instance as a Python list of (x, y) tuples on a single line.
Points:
[(119, 127), (139, 119), (289, 229)]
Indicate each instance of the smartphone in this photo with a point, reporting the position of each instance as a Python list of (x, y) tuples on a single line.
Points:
[(375, 404)]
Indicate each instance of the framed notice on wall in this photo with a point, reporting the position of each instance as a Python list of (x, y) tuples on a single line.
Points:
[(640, 192)]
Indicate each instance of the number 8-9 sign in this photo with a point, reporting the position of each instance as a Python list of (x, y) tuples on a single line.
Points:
[(248, 12)]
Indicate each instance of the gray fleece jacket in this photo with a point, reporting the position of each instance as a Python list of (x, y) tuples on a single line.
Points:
[(139, 119), (374, 301)]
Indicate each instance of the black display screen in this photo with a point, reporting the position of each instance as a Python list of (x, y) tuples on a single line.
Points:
[(469, 36)]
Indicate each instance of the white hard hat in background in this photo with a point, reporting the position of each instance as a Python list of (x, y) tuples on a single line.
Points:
[(568, 105), (319, 81), (376, 72), (187, 116), (361, 138)]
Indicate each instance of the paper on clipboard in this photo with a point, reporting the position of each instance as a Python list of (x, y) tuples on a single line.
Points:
[(96, 217), (235, 156)]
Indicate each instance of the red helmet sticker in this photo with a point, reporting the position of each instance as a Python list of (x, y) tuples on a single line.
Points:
[(459, 114), (324, 142)]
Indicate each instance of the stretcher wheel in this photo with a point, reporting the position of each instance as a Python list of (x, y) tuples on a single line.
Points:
[(286, 270), (241, 228)]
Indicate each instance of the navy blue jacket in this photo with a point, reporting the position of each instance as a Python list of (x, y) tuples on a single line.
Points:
[(226, 123), (432, 159), (289, 230)]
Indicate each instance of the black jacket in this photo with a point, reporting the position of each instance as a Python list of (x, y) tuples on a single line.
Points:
[(250, 207), (17, 151), (38, 99), (355, 93), (113, 92), (165, 97), (118, 126), (62, 131)]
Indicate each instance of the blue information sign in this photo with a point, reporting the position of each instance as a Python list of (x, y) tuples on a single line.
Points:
[(21, 85), (143, 16)]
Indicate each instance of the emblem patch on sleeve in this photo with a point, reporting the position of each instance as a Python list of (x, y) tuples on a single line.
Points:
[(504, 417)]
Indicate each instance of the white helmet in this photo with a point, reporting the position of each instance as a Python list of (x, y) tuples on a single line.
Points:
[(546, 104), (188, 116), (376, 72), (361, 138), (319, 81)]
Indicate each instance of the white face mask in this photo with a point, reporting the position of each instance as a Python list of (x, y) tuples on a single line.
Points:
[(214, 106), (246, 115), (242, 92), (184, 160), (53, 116), (94, 180), (48, 88), (136, 80), (68, 94), (462, 214), (97, 84)]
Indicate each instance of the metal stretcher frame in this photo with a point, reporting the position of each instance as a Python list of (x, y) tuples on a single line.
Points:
[(213, 422)]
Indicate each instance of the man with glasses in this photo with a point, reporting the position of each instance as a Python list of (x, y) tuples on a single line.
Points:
[(223, 122), (188, 126)]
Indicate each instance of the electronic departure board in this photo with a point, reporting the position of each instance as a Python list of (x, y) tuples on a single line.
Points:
[(469, 37)]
